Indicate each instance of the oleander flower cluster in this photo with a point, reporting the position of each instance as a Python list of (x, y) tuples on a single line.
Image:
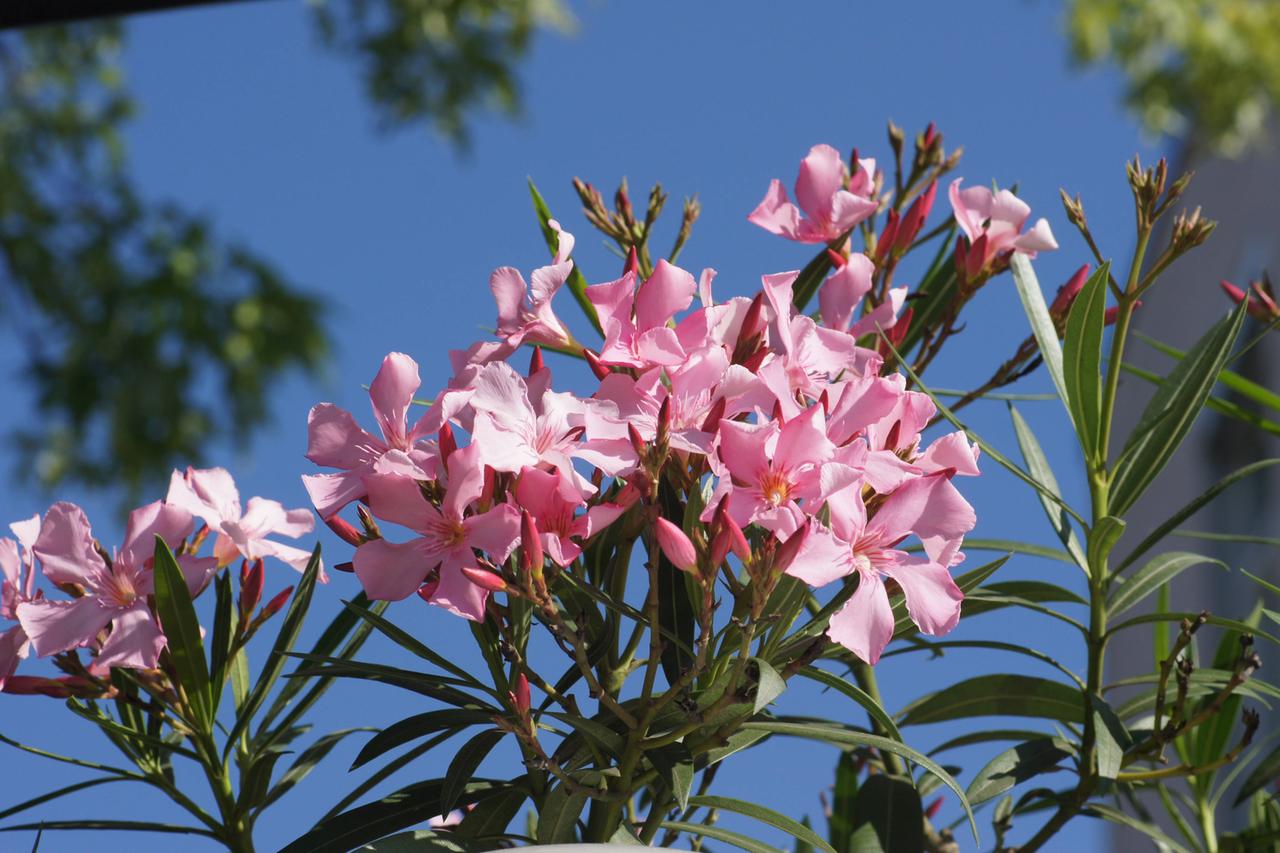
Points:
[(802, 445), (101, 601)]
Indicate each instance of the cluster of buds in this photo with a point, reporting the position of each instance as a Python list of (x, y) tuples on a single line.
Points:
[(1261, 298)]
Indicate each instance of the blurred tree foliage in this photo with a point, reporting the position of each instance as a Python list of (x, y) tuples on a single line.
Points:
[(1207, 70), (146, 336)]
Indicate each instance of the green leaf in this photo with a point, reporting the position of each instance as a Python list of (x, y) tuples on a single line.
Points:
[(576, 282), (998, 696), (274, 664), (742, 842), (387, 770), (840, 826), (423, 841), (934, 295), (492, 815), (224, 625), (1081, 357), (1192, 508), (765, 815), (306, 762), (1148, 829), (1103, 537), (418, 726), (60, 792), (410, 805), (810, 279), (464, 765), (938, 647), (1244, 387), (411, 644), (862, 698), (1262, 775), (108, 825), (769, 684), (986, 736), (558, 817), (438, 687), (1038, 468), (891, 806), (847, 738), (1111, 738), (182, 633), (1046, 334), (1013, 547), (1017, 765), (603, 736), (1176, 404), (1158, 571), (675, 766)]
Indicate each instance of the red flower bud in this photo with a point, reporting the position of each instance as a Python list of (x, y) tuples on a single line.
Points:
[(520, 696), (345, 531), (535, 361), (752, 325), (1068, 292), (593, 361), (664, 422), (484, 579), (977, 258), (933, 808), (930, 133), (711, 422), (428, 589), (530, 544), (676, 545), (627, 495), (789, 550), (837, 260), (251, 579), (448, 443), (632, 266), (273, 606), (915, 218), (888, 237), (637, 440)]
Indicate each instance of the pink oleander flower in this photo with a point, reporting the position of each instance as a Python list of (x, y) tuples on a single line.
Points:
[(16, 587), (211, 495), (833, 202), (522, 423), (525, 315), (114, 593), (927, 507), (635, 321), (806, 356), (767, 469), (843, 292), (993, 223), (447, 538), (561, 527), (335, 440)]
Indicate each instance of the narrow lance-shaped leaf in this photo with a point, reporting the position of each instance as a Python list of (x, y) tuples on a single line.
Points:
[(1042, 326), (998, 696), (891, 806), (1154, 574), (1016, 765), (765, 815), (1081, 357), (1176, 404), (182, 633), (464, 764), (1038, 467)]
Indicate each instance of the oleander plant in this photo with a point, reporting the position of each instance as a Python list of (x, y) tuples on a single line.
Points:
[(721, 496)]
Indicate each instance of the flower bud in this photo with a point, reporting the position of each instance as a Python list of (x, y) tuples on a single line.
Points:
[(632, 266), (428, 589), (676, 545), (915, 218), (627, 495), (593, 361), (638, 444), (789, 550), (752, 324), (1068, 292), (535, 361), (484, 579), (888, 237), (933, 808), (837, 259), (273, 606), (530, 544), (520, 697), (345, 531), (711, 423), (664, 423), (251, 579), (447, 442), (737, 539)]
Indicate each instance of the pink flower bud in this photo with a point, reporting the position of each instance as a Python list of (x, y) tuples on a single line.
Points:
[(837, 260), (933, 808), (627, 495), (530, 544), (520, 696), (535, 361), (915, 218), (711, 423), (676, 545), (888, 237), (484, 579), (273, 606), (930, 133), (664, 422), (632, 265), (347, 567), (789, 550), (1068, 292), (345, 531), (752, 324), (251, 579), (638, 443), (593, 361), (737, 539), (447, 442)]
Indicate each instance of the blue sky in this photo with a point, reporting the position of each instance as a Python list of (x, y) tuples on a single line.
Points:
[(245, 117)]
